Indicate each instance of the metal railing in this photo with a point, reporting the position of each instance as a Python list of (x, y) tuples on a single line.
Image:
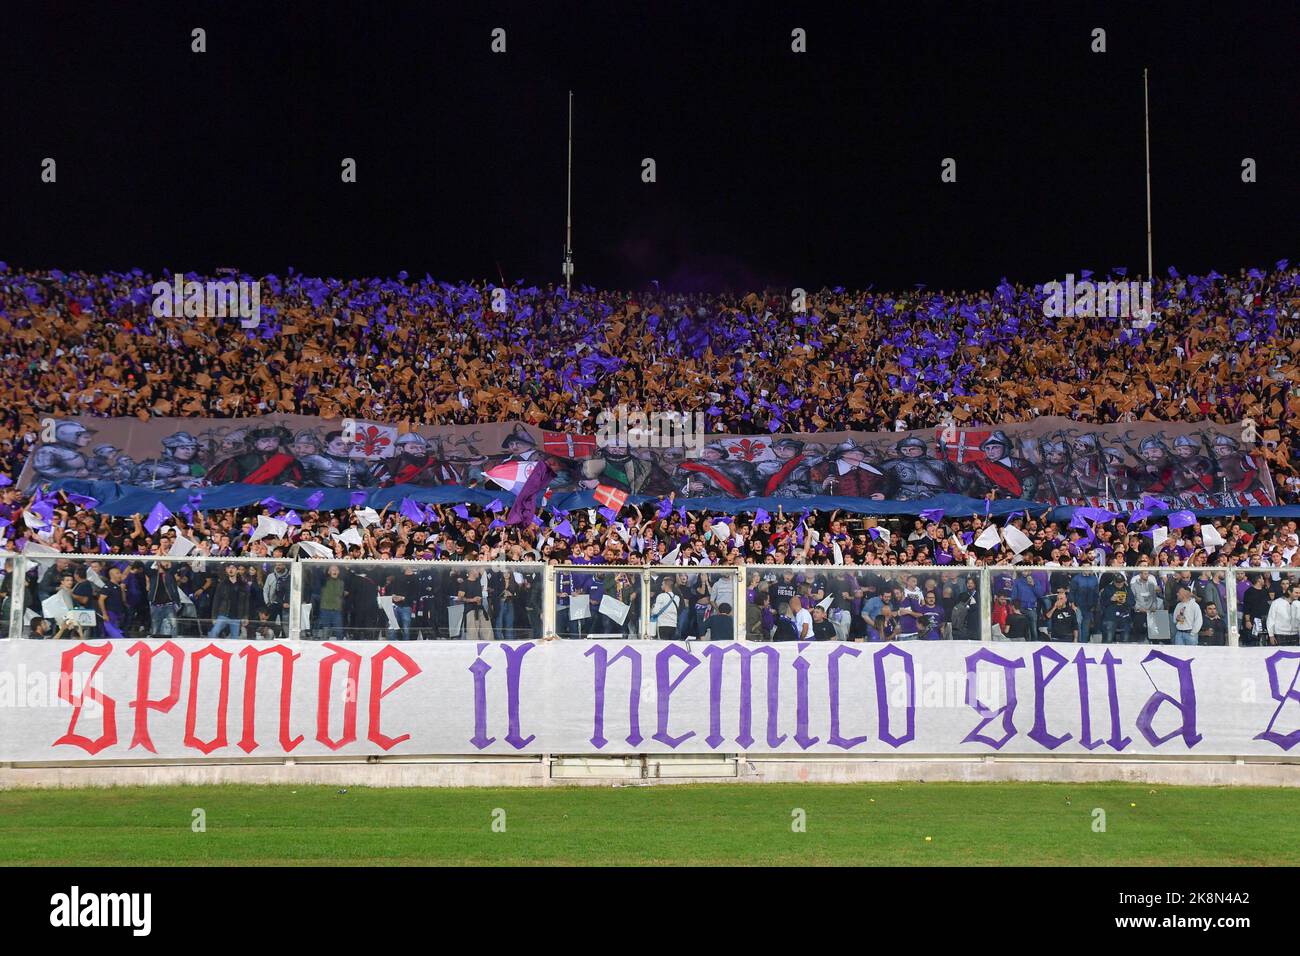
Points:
[(113, 596)]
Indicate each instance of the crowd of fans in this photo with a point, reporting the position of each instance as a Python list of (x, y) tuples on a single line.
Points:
[(859, 585), (1222, 348), (1219, 347)]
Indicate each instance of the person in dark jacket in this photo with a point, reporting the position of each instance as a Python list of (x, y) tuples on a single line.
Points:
[(232, 601), (1214, 629), (361, 612), (164, 598), (1116, 602), (1254, 608)]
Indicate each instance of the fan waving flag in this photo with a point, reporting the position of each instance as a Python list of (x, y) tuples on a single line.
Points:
[(524, 508), (610, 497), (511, 475), (566, 445)]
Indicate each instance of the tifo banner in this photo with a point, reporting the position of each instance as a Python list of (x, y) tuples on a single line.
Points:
[(229, 699), (1054, 461)]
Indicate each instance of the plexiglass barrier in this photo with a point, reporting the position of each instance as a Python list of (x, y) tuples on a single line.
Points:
[(419, 601), (95, 597), (863, 603)]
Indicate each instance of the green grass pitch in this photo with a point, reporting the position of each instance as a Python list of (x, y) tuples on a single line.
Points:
[(746, 824)]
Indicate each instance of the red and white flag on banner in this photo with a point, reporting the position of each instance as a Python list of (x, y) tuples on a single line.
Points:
[(610, 497), (511, 475), (962, 445), (568, 446)]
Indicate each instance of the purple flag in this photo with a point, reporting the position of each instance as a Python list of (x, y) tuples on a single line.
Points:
[(564, 528), (1099, 515), (524, 508), (411, 511), (609, 514), (665, 508), (932, 514), (461, 512), (357, 499), (292, 518), (5, 481), (761, 517), (83, 500), (495, 505), (157, 516), (314, 500), (1181, 519)]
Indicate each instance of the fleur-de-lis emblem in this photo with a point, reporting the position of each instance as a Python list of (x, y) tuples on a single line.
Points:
[(373, 440), (747, 449)]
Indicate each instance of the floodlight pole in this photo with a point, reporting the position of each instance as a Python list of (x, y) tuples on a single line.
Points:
[(1146, 124), (568, 210)]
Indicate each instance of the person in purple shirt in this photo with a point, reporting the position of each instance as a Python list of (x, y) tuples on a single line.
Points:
[(910, 615), (932, 618)]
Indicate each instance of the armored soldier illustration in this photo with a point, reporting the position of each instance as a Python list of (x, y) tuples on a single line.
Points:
[(914, 474), (618, 467), (1087, 464), (178, 468), (268, 463), (1193, 471), (846, 471), (1155, 469), (999, 471), (335, 468), (714, 473), (62, 458), (414, 464), (110, 464), (1123, 481), (789, 474), (1057, 476), (1236, 467), (305, 443)]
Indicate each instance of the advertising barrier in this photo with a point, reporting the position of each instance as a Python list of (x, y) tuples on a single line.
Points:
[(220, 699)]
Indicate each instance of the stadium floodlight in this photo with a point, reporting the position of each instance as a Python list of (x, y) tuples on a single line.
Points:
[(1146, 125), (567, 267)]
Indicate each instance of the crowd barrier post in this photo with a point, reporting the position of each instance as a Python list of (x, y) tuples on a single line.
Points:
[(986, 604), (17, 593), (295, 601), (549, 624), (647, 595), (740, 606), (1230, 587)]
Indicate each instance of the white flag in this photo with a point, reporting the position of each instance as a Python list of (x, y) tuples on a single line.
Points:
[(367, 516), (988, 537), (614, 609), (837, 552), (671, 556), (352, 537), (316, 550), (269, 527), (181, 546), (1159, 535), (1210, 535), (1016, 539)]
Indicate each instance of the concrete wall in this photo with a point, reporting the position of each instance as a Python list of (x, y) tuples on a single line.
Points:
[(654, 770)]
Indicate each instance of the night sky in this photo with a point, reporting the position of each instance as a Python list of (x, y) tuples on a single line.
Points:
[(811, 169)]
